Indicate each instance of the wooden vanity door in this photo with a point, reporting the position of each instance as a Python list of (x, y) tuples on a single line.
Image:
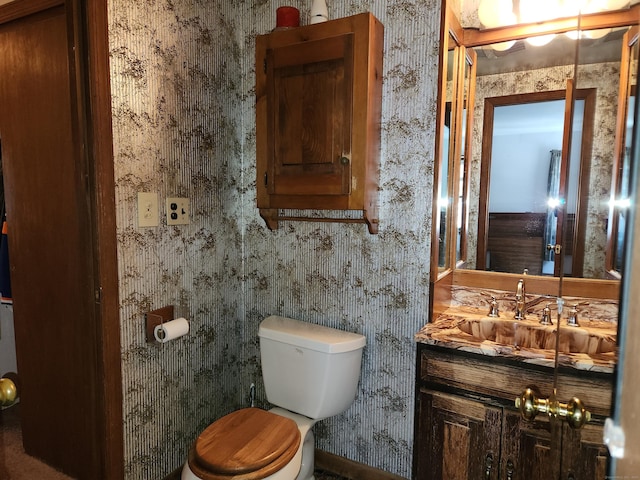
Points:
[(583, 453), (459, 438), (309, 117), (530, 450)]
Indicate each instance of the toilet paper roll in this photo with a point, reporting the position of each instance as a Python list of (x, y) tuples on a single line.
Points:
[(171, 330)]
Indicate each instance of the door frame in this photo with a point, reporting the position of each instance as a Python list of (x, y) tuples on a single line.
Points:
[(88, 53), (89, 20)]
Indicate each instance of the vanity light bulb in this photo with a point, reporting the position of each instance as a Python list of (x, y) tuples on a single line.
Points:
[(503, 46), (541, 40), (496, 13), (532, 11), (573, 34), (617, 4), (595, 34), (573, 8)]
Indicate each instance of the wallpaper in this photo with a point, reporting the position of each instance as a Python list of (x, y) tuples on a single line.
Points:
[(182, 80)]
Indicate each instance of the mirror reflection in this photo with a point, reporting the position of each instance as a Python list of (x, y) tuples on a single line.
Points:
[(620, 201), (520, 221), (446, 153), (518, 72)]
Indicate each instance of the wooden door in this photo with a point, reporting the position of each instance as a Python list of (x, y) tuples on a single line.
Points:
[(459, 438), (59, 340)]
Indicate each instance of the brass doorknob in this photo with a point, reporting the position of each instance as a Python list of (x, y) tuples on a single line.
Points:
[(575, 413), (530, 404), (8, 392)]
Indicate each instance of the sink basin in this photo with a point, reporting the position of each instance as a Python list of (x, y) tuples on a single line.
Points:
[(531, 334)]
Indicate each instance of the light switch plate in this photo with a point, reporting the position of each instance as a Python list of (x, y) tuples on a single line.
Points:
[(177, 211), (148, 209)]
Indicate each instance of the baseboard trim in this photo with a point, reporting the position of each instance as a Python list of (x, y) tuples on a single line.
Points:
[(350, 469), (175, 475), (334, 464)]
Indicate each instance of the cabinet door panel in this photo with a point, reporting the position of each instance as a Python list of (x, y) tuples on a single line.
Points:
[(530, 450), (583, 454), (310, 117), (456, 437)]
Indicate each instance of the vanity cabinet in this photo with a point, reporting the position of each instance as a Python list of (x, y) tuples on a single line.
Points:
[(467, 426), (318, 106)]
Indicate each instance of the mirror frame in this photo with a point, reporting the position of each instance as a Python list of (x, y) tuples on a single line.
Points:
[(469, 38), (631, 39), (451, 31), (588, 95), (463, 62)]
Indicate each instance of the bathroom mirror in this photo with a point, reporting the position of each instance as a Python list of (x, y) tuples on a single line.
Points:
[(453, 139), (620, 186), (524, 70), (520, 217), (446, 148)]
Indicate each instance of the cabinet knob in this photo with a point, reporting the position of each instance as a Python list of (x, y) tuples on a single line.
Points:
[(530, 404), (344, 160), (488, 466), (511, 468)]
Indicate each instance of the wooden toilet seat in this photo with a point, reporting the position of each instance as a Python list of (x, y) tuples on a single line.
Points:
[(248, 444)]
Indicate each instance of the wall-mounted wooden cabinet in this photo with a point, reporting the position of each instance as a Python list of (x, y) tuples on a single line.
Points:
[(318, 102)]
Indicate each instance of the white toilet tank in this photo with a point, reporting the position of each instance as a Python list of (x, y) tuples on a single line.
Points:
[(309, 369)]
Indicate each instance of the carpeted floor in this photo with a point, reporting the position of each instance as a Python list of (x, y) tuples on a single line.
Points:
[(15, 464)]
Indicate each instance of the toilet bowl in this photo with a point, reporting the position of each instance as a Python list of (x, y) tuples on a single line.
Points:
[(310, 373)]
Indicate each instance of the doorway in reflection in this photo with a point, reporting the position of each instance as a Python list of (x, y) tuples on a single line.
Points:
[(531, 190)]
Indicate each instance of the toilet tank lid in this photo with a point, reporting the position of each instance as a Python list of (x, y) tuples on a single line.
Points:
[(309, 335)]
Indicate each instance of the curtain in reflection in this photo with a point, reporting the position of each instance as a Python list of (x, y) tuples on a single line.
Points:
[(553, 197)]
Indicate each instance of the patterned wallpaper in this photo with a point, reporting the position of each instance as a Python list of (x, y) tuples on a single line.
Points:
[(182, 78)]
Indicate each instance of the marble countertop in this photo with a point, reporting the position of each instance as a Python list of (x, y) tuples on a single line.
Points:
[(450, 329)]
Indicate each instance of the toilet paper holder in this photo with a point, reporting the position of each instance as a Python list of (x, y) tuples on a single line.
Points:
[(155, 318)]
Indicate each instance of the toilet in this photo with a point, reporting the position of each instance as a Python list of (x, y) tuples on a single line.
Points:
[(310, 372)]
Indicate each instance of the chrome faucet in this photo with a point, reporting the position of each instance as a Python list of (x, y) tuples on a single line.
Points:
[(520, 300)]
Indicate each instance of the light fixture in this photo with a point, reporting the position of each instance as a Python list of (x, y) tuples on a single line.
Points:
[(500, 13)]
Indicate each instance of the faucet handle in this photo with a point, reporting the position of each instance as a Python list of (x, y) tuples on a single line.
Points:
[(572, 321), (546, 315), (493, 308)]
